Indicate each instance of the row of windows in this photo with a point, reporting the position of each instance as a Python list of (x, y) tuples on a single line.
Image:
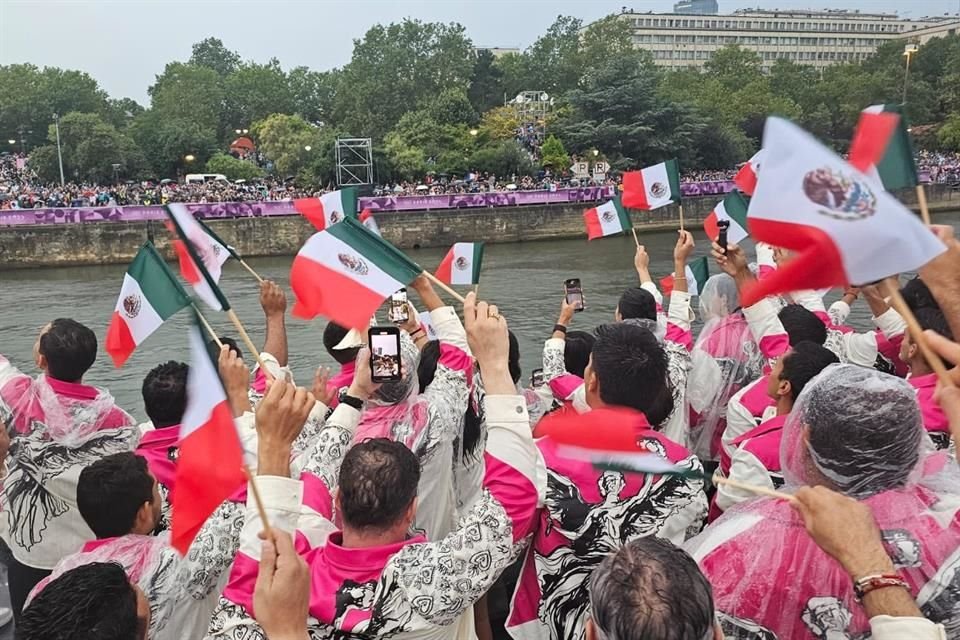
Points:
[(661, 38), (799, 56), (694, 23)]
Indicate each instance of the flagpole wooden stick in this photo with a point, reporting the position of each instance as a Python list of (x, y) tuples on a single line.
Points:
[(922, 201), (916, 332), (763, 491), (476, 289), (681, 216), (635, 239), (206, 325), (251, 480), (443, 285), (250, 269), (247, 341)]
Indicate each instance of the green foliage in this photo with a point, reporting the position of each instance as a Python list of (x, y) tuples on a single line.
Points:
[(554, 155), (90, 147), (188, 92), (233, 168), (168, 141), (211, 53), (255, 91), (283, 140), (503, 159), (949, 133), (486, 83)]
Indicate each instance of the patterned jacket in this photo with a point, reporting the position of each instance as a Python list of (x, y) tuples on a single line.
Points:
[(411, 589)]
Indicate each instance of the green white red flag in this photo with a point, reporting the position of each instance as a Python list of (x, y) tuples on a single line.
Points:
[(328, 209), (199, 262), (462, 264), (881, 147), (150, 295), (210, 461), (840, 225), (652, 187), (366, 217), (733, 209), (221, 249), (697, 273), (345, 272), (746, 178), (608, 219)]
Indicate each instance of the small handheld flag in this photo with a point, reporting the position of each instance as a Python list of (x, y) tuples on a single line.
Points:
[(733, 209), (697, 273), (881, 143), (746, 178), (462, 264), (199, 263), (330, 208), (224, 251), (652, 187), (608, 219), (150, 295), (366, 217)]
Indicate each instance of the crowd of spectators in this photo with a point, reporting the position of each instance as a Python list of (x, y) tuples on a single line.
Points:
[(21, 188)]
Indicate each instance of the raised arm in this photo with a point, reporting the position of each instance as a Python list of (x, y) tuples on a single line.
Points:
[(641, 262), (678, 313), (273, 301)]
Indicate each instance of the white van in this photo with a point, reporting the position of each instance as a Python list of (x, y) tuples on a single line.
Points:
[(200, 178)]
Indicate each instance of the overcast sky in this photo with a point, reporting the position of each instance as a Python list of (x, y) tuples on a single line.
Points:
[(125, 43)]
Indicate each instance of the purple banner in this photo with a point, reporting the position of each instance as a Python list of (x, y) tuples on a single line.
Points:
[(476, 200), (17, 217), (713, 188)]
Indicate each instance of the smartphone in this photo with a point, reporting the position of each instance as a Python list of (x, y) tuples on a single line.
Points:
[(723, 225), (398, 312), (536, 378), (385, 354), (574, 293)]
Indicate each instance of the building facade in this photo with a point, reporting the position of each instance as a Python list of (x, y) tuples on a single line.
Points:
[(817, 38), (697, 7)]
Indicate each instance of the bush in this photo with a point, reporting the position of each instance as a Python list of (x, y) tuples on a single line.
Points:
[(233, 168)]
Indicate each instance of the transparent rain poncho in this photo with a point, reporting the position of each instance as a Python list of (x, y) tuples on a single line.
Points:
[(724, 359), (857, 431)]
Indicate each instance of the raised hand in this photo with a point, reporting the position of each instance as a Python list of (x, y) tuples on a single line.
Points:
[(363, 385), (272, 298), (489, 343), (734, 263), (684, 247), (321, 389), (281, 595), (641, 262), (236, 380), (280, 417)]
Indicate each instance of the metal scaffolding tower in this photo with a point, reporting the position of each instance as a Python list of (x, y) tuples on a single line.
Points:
[(354, 161)]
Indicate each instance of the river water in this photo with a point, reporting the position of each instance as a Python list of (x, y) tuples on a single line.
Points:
[(524, 280)]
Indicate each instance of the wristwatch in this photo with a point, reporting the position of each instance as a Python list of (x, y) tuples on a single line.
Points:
[(352, 401)]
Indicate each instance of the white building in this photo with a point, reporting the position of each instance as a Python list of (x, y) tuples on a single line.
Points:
[(818, 38)]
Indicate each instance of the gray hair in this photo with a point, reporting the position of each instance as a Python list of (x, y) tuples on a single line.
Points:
[(651, 590)]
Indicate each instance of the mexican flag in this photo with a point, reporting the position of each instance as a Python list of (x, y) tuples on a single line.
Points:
[(607, 219), (366, 217), (697, 273), (150, 294), (345, 272), (881, 144), (733, 208), (462, 264), (207, 433), (199, 261), (653, 187), (221, 249), (746, 178), (328, 209), (607, 438), (842, 227)]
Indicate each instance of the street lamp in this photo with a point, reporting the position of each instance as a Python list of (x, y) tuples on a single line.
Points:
[(908, 51), (189, 157), (474, 132), (307, 148), (596, 152), (11, 141), (56, 122)]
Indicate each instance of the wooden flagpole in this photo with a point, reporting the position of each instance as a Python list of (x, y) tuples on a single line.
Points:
[(763, 491), (635, 240), (247, 341), (443, 285), (251, 480), (206, 325), (249, 268), (681, 216), (922, 201), (916, 332)]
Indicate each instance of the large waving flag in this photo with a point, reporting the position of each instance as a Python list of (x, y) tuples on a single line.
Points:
[(842, 226), (462, 264), (733, 209), (653, 187), (697, 273), (328, 209), (608, 219), (150, 294), (199, 262), (345, 272), (881, 144), (746, 178), (210, 462), (221, 249)]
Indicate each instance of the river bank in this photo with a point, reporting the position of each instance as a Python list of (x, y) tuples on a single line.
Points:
[(106, 242)]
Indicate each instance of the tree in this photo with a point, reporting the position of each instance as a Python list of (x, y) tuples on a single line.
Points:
[(90, 147), (555, 57), (500, 123), (451, 106), (233, 168), (486, 82), (167, 141), (189, 92), (398, 68), (604, 40), (211, 53), (283, 140), (949, 134), (313, 93), (255, 91), (121, 112), (734, 66), (554, 155), (504, 159)]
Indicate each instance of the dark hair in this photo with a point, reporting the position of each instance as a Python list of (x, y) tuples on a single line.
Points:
[(111, 491), (93, 600), (576, 351), (631, 367), (637, 302), (651, 590), (70, 349), (214, 349), (802, 325), (378, 480), (513, 358), (333, 333), (803, 362), (165, 393), (426, 371), (924, 306)]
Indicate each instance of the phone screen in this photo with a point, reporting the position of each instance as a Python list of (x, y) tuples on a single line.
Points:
[(574, 293), (385, 354), (398, 313), (536, 378)]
